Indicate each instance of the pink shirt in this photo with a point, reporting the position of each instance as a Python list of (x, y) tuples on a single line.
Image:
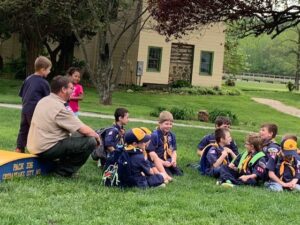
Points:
[(78, 90)]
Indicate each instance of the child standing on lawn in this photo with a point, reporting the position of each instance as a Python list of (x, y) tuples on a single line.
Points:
[(77, 95), (33, 89)]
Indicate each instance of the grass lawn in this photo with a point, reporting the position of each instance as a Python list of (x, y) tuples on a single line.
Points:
[(191, 199)]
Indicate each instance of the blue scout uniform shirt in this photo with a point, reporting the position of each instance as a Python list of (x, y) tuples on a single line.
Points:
[(258, 168), (157, 143), (212, 156), (270, 148), (114, 136), (33, 89), (210, 138), (274, 165), (138, 165)]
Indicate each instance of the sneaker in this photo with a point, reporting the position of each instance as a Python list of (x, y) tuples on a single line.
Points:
[(228, 184), (162, 185), (219, 182)]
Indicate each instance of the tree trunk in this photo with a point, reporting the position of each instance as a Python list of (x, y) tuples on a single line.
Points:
[(298, 62), (33, 49), (66, 53)]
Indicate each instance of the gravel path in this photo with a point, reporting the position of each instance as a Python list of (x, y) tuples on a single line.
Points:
[(279, 106)]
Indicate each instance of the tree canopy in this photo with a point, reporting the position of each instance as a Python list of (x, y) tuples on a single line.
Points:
[(176, 17)]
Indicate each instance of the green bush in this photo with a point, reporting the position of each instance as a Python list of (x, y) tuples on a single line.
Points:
[(204, 91), (178, 113), (180, 84), (230, 82), (157, 111), (182, 113), (223, 112), (290, 86)]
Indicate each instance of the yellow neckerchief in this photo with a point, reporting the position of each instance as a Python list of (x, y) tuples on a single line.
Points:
[(121, 133), (246, 162), (225, 161), (289, 165), (133, 148), (167, 150)]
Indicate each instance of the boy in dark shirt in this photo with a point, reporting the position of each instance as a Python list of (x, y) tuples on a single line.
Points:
[(220, 122), (284, 168), (268, 132), (218, 154), (141, 172), (33, 89), (248, 168)]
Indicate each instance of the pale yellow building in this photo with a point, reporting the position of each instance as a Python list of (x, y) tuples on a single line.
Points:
[(197, 58)]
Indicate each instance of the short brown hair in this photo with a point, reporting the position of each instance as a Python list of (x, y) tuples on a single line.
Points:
[(165, 116), (220, 120), (120, 112), (255, 140), (42, 62), (220, 133), (272, 128), (58, 82)]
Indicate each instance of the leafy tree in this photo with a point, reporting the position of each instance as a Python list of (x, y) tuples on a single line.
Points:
[(252, 16), (41, 23), (119, 24)]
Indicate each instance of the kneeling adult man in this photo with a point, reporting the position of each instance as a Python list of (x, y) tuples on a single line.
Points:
[(51, 128)]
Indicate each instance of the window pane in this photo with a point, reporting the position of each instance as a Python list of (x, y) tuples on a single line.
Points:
[(154, 59), (206, 63)]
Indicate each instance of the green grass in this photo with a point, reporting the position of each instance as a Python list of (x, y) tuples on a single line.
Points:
[(191, 199)]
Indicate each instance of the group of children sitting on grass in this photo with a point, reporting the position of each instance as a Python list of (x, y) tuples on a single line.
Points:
[(153, 156), (154, 159), (264, 161)]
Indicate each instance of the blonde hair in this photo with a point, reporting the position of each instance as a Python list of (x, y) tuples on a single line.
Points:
[(42, 62), (165, 116)]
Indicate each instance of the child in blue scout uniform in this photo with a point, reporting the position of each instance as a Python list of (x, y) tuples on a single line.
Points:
[(115, 135), (220, 122), (284, 168), (162, 147), (248, 168), (142, 174), (268, 132), (33, 89), (218, 154)]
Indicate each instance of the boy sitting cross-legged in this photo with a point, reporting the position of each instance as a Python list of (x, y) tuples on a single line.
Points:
[(248, 168), (162, 147), (220, 122), (141, 173), (217, 155), (284, 168)]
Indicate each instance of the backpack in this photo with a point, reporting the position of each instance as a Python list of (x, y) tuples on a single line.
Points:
[(203, 161), (100, 152), (117, 169)]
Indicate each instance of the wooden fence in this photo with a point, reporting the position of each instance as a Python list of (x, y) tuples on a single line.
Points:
[(259, 77)]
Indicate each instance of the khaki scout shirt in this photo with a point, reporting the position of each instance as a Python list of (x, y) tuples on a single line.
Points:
[(51, 122)]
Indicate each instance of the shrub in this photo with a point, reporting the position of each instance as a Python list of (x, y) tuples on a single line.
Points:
[(221, 112), (157, 111), (182, 113), (178, 113), (290, 86), (180, 84), (230, 82), (204, 91)]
